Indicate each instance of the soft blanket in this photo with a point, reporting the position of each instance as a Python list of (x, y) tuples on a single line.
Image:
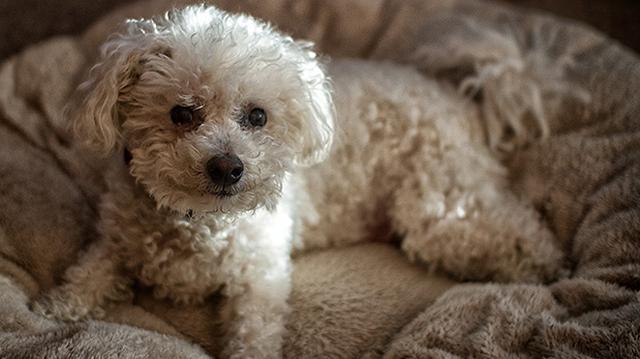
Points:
[(564, 97)]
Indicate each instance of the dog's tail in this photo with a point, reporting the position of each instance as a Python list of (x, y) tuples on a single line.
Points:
[(512, 73)]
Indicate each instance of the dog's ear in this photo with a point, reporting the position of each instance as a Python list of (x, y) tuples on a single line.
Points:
[(317, 131), (94, 109)]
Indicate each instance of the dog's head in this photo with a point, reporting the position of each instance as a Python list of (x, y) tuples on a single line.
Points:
[(215, 108)]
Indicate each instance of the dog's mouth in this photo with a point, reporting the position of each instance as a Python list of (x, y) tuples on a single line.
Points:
[(224, 194), (231, 191)]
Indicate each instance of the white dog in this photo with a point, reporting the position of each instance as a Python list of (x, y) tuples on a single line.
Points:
[(219, 126)]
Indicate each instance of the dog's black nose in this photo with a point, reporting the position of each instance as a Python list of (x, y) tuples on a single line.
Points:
[(225, 169)]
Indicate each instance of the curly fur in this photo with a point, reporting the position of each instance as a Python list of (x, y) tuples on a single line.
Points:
[(405, 157)]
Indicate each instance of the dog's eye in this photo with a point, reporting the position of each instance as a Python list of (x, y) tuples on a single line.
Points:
[(257, 117), (181, 115)]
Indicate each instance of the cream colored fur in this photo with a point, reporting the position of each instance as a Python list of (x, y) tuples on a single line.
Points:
[(408, 160)]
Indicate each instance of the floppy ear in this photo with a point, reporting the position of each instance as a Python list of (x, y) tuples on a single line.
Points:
[(94, 112), (318, 129)]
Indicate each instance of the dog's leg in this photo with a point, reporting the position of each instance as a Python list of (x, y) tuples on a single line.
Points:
[(87, 287), (471, 226), (257, 291), (257, 317)]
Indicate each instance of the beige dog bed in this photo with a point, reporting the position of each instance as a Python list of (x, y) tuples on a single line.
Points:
[(366, 300)]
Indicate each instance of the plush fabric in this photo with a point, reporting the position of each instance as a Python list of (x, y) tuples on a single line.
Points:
[(366, 300)]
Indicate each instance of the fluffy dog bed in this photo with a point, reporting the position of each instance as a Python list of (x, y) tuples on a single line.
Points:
[(558, 78)]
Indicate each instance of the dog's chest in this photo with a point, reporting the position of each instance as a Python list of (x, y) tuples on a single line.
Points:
[(181, 259)]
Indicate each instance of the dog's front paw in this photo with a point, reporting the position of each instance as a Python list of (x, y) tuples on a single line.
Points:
[(64, 305)]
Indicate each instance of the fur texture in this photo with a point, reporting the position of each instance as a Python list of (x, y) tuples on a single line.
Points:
[(405, 158)]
